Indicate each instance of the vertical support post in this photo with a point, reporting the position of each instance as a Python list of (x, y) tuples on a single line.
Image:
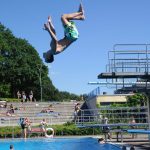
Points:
[(121, 136), (114, 50), (105, 136), (148, 104), (146, 60), (82, 117), (41, 84), (40, 80)]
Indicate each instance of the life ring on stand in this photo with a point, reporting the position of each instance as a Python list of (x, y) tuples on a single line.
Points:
[(51, 135)]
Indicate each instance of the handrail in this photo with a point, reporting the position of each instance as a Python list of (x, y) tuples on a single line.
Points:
[(120, 116)]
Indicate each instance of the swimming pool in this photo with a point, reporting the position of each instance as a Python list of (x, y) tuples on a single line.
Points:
[(57, 144)]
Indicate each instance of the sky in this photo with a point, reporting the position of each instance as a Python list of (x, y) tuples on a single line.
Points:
[(107, 22)]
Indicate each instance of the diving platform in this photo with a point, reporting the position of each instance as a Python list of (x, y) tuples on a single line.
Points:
[(128, 68), (113, 75), (114, 125), (115, 116), (117, 120), (120, 83), (138, 131), (127, 71)]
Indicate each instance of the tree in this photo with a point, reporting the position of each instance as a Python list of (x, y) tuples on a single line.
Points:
[(136, 100)]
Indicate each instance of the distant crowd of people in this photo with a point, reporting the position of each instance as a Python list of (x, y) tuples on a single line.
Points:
[(26, 127), (23, 97), (10, 109), (26, 97)]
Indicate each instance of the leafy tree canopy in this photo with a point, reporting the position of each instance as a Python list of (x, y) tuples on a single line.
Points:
[(137, 99)]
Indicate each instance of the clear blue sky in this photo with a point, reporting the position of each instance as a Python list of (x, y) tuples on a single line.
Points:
[(108, 22)]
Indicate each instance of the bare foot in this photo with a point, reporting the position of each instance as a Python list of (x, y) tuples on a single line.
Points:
[(81, 10), (82, 17), (46, 26)]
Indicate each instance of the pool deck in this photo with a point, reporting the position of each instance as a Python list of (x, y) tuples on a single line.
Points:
[(141, 142)]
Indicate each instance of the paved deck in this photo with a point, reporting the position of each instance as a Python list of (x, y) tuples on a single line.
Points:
[(141, 142)]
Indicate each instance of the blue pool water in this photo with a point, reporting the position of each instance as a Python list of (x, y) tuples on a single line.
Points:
[(57, 144)]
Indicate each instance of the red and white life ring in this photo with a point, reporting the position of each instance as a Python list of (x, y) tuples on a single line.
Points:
[(51, 135)]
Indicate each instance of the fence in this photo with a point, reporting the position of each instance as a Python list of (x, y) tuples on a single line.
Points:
[(106, 116)]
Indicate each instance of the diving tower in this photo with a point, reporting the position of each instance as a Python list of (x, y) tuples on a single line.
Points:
[(128, 61), (128, 68), (128, 71)]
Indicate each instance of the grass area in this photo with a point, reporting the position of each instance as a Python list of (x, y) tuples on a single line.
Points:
[(10, 99), (67, 129)]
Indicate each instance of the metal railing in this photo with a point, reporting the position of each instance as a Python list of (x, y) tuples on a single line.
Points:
[(129, 58), (122, 116)]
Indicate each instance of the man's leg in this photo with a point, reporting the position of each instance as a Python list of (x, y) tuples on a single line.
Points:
[(82, 17), (25, 133), (73, 16)]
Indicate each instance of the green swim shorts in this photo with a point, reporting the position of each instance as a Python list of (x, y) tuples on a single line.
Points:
[(71, 31)]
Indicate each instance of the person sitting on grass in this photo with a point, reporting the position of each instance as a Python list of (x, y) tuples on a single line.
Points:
[(70, 31)]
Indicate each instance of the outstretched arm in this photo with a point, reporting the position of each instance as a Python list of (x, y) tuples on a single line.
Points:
[(50, 31), (51, 24)]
